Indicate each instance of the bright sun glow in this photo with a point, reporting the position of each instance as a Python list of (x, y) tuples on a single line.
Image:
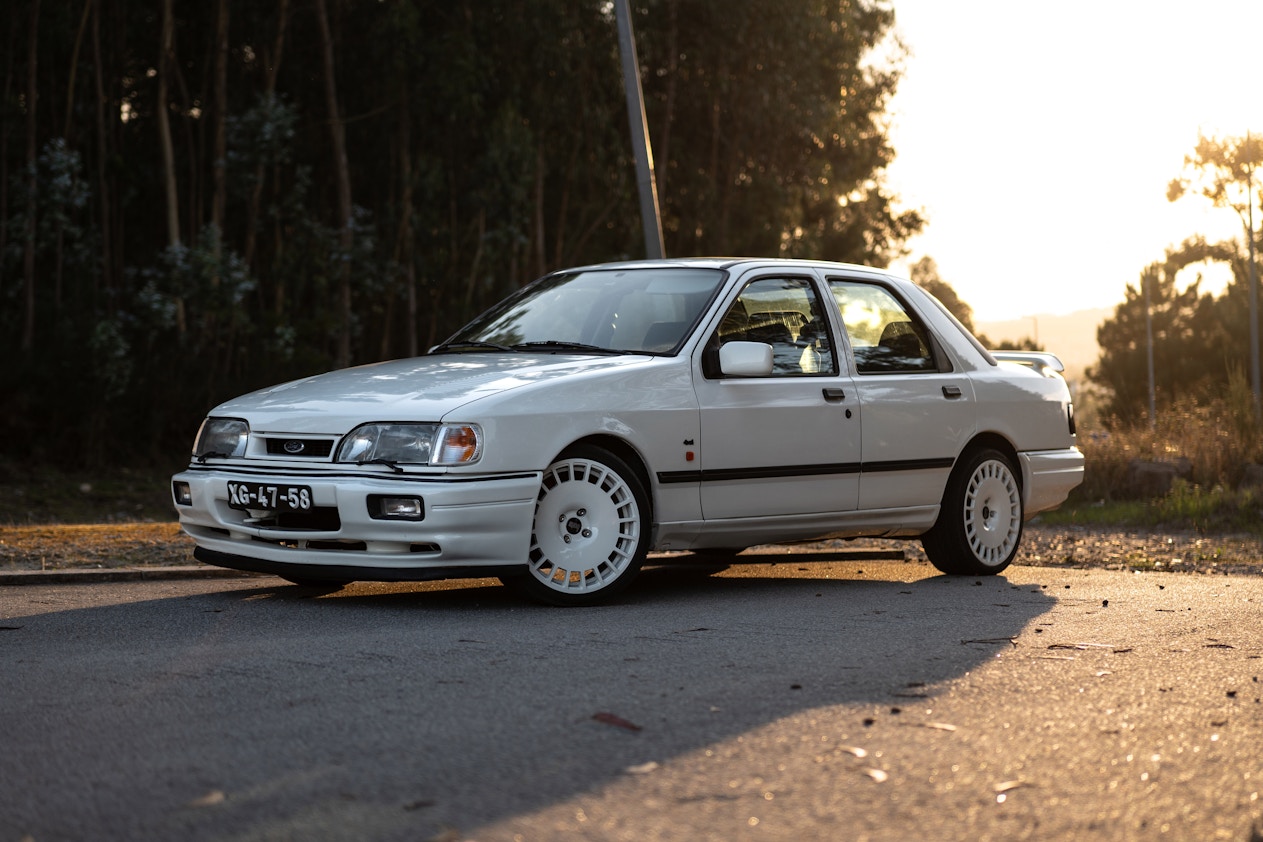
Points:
[(1039, 140)]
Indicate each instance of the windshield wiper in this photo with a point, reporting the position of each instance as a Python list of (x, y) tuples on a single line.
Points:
[(555, 345), (389, 463), (471, 343), (211, 454)]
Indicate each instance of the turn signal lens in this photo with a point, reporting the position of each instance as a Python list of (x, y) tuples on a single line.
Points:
[(457, 445)]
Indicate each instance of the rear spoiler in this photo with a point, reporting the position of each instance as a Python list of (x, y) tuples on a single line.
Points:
[(1038, 360)]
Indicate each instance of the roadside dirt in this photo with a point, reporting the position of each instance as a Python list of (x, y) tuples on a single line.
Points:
[(113, 545), (61, 547)]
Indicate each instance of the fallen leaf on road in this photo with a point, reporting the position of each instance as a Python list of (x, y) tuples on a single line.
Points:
[(1007, 786), (616, 721), (854, 750), (1010, 640), (643, 768), (877, 775), (210, 799)]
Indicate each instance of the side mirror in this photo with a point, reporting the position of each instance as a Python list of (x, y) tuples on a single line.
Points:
[(745, 359)]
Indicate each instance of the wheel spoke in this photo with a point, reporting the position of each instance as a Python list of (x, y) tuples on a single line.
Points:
[(992, 512), (587, 527)]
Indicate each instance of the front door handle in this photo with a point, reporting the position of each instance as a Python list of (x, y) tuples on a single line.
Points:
[(834, 395), (951, 392)]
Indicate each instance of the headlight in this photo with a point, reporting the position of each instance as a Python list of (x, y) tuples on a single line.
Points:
[(413, 444), (221, 438)]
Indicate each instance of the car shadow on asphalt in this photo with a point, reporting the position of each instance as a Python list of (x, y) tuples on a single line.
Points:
[(452, 698)]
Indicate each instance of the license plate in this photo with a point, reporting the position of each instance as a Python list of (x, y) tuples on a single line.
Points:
[(281, 498)]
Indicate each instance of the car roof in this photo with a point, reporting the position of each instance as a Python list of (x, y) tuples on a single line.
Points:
[(730, 263)]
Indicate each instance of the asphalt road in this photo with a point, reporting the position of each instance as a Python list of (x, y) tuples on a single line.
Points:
[(848, 701)]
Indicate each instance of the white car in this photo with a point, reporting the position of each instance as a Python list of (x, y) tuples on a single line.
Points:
[(607, 411)]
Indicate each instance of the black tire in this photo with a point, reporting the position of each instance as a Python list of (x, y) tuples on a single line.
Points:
[(591, 530), (979, 526)]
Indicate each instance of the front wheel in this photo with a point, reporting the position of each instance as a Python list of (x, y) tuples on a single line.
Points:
[(979, 524), (589, 538)]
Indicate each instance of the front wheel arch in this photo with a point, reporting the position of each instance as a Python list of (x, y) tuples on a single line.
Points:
[(629, 455), (591, 531)]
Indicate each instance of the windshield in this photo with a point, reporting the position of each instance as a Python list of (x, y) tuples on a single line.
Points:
[(639, 310)]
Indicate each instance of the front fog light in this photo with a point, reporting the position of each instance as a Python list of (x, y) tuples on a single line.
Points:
[(182, 493), (382, 507)]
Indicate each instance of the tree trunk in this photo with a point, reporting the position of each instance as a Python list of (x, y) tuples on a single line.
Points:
[(74, 67), (273, 65), (164, 126), (219, 195), (541, 257), (404, 246), (4, 185), (28, 250), (337, 134), (107, 266), (663, 144)]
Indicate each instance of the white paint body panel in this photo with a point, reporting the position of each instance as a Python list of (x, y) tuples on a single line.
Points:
[(718, 456)]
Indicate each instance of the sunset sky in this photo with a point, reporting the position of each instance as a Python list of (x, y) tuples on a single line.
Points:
[(1039, 139)]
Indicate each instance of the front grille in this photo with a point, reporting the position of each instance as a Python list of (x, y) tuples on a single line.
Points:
[(299, 448)]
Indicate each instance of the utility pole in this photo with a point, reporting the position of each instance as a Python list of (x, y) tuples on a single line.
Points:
[(1153, 412), (649, 216), (1254, 283)]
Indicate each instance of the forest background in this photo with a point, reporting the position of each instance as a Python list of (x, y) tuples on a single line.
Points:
[(199, 199)]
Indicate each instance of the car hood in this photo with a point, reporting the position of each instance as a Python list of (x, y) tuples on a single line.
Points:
[(418, 389)]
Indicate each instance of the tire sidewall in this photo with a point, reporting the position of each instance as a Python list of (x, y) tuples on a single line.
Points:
[(528, 582), (947, 543)]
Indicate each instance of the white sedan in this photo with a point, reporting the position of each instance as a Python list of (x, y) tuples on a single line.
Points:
[(607, 411)]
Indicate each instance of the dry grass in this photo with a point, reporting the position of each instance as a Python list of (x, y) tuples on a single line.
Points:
[(52, 519), (1211, 444), (1210, 441), (1214, 439), (59, 546)]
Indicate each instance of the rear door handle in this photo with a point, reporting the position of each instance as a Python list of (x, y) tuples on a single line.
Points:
[(834, 395), (951, 392)]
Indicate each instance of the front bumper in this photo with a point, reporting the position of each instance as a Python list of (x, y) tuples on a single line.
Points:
[(470, 525)]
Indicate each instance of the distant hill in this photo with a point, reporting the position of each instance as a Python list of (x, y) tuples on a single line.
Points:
[(1072, 337)]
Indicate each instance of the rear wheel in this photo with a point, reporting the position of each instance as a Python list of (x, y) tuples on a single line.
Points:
[(979, 524), (590, 534)]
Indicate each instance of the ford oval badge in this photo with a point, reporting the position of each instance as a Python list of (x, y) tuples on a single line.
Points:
[(294, 447)]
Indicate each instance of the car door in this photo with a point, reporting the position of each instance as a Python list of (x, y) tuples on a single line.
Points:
[(918, 411), (786, 442)]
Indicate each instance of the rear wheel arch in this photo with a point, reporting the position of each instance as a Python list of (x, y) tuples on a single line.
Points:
[(995, 441)]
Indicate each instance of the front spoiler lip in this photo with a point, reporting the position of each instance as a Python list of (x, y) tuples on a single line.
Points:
[(353, 573)]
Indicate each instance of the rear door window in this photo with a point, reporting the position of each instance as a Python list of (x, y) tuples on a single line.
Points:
[(886, 337)]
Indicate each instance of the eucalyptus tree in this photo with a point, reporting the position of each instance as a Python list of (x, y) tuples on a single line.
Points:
[(1193, 351)]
